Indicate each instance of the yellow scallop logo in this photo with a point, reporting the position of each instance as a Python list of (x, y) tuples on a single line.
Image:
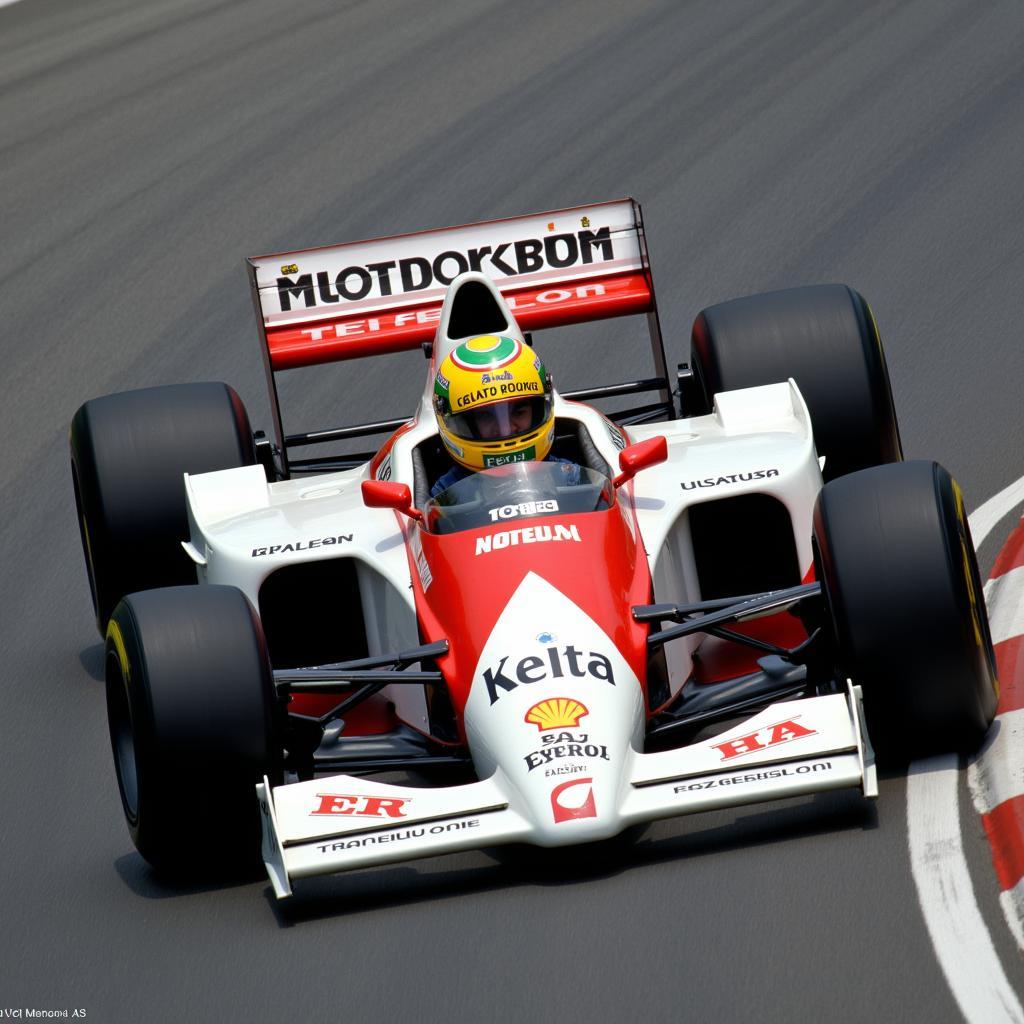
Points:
[(556, 713)]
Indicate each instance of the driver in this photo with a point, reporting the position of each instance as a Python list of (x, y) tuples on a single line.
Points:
[(494, 406)]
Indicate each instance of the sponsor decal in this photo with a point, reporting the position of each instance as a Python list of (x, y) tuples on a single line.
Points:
[(420, 558), (360, 805), (480, 395), (416, 273), (423, 569), (441, 383), (497, 391), (546, 638), (526, 508), (568, 661), (490, 378), (616, 436), (520, 387), (527, 535), (392, 321), (724, 781), (398, 835), (526, 455), (302, 545), (384, 469), (560, 745), (734, 478), (290, 268), (573, 800), (585, 222), (769, 736), (556, 713)]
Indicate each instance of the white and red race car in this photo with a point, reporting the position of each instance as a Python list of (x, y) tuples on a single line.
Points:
[(699, 618)]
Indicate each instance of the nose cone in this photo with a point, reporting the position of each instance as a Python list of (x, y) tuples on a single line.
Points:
[(583, 805), (556, 707)]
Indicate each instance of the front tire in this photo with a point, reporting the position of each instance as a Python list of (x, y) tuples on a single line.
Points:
[(897, 565), (194, 724)]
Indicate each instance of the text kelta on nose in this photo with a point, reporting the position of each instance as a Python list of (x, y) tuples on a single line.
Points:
[(559, 663)]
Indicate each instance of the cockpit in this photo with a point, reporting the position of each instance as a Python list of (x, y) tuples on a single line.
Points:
[(522, 490)]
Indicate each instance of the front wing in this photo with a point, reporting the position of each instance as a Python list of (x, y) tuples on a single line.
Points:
[(341, 823)]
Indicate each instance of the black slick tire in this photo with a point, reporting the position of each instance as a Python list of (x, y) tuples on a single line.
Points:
[(128, 454), (194, 725), (825, 338), (906, 607)]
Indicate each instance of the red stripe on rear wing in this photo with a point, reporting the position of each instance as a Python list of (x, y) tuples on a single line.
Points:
[(406, 327), (385, 294)]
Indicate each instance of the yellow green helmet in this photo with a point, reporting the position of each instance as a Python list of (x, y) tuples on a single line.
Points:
[(492, 398)]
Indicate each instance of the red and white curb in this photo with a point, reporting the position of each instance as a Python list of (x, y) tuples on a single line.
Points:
[(960, 937), (996, 776)]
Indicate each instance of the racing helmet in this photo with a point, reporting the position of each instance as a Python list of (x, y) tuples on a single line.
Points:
[(493, 402)]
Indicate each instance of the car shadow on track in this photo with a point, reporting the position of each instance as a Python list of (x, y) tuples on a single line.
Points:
[(144, 881), (91, 659), (512, 866)]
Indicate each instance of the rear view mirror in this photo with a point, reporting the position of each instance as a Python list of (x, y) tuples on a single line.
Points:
[(385, 494), (641, 455)]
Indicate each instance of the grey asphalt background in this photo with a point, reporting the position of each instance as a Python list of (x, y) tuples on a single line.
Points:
[(147, 147)]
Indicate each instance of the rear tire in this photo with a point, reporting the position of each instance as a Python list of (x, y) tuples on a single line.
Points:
[(128, 454), (825, 338), (897, 565), (194, 725)]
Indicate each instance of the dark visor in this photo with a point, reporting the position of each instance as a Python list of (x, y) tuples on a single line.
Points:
[(500, 421)]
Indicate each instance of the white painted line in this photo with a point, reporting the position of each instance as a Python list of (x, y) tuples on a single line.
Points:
[(962, 942), (1012, 902), (1005, 599), (984, 518), (997, 774)]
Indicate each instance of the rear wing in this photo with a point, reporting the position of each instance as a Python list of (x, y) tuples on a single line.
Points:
[(385, 294)]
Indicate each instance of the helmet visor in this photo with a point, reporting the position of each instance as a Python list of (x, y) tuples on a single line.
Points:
[(500, 421)]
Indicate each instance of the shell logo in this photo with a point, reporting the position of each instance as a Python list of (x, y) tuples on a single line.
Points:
[(556, 713)]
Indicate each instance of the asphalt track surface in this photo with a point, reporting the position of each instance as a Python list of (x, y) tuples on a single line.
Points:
[(147, 147)]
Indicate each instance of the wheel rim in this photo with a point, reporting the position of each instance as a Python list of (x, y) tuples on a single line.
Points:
[(975, 591), (122, 738)]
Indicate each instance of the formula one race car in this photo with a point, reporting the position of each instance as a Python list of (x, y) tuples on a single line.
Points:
[(688, 607)]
